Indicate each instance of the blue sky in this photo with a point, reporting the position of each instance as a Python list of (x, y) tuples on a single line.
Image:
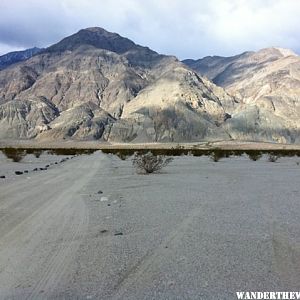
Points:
[(185, 28)]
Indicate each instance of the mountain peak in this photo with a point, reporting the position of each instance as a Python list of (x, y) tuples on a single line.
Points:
[(286, 52), (277, 51), (96, 37)]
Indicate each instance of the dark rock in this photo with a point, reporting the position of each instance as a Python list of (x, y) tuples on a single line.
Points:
[(26, 171), (119, 233), (18, 173), (2, 176), (43, 169), (100, 192), (35, 169), (103, 231), (227, 116)]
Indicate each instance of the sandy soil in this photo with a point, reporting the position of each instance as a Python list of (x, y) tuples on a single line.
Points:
[(235, 145), (90, 228)]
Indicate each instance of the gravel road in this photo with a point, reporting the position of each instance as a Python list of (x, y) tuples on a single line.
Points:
[(90, 228)]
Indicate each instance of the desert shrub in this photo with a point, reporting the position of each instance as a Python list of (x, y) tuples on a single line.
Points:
[(37, 153), (16, 155), (150, 163), (217, 154), (122, 155), (273, 157), (254, 155)]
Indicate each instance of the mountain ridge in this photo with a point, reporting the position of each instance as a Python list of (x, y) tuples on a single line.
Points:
[(267, 84), (98, 85), (17, 56), (82, 88)]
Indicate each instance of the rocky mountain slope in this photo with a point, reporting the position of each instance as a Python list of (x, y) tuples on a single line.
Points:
[(99, 85), (14, 57), (266, 84)]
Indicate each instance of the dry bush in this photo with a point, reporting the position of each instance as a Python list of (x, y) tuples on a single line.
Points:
[(150, 163), (16, 155), (272, 157), (255, 155), (217, 154)]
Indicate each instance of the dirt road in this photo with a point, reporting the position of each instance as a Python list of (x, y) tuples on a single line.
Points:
[(92, 229)]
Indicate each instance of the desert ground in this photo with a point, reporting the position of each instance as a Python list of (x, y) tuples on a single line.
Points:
[(89, 227), (72, 144)]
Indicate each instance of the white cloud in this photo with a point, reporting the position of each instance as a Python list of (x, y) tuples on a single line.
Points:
[(186, 28)]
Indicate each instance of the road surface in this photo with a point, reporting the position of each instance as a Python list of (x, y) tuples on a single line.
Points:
[(90, 228)]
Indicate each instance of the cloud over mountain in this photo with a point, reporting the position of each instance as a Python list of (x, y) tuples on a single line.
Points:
[(187, 29)]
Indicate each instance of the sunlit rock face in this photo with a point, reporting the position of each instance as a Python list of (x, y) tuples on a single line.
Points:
[(97, 85), (267, 85)]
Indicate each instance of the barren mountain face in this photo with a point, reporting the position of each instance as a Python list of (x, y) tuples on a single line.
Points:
[(99, 85), (17, 56), (267, 85)]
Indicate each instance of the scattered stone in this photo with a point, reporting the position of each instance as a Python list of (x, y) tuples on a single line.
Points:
[(18, 173), (108, 204), (26, 171), (43, 169), (103, 231), (56, 163), (100, 192), (119, 233), (35, 169), (2, 176), (47, 166)]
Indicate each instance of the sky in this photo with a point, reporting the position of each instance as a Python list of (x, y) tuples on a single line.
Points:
[(184, 28)]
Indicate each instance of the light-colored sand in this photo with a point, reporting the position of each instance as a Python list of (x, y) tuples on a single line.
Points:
[(198, 230), (234, 145)]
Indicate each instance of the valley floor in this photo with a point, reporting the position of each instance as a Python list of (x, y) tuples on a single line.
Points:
[(232, 145), (91, 228)]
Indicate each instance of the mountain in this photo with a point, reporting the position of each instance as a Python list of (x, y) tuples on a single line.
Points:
[(266, 84), (96, 84), (17, 56)]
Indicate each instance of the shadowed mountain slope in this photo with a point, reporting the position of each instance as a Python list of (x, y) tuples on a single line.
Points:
[(99, 85), (14, 57)]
